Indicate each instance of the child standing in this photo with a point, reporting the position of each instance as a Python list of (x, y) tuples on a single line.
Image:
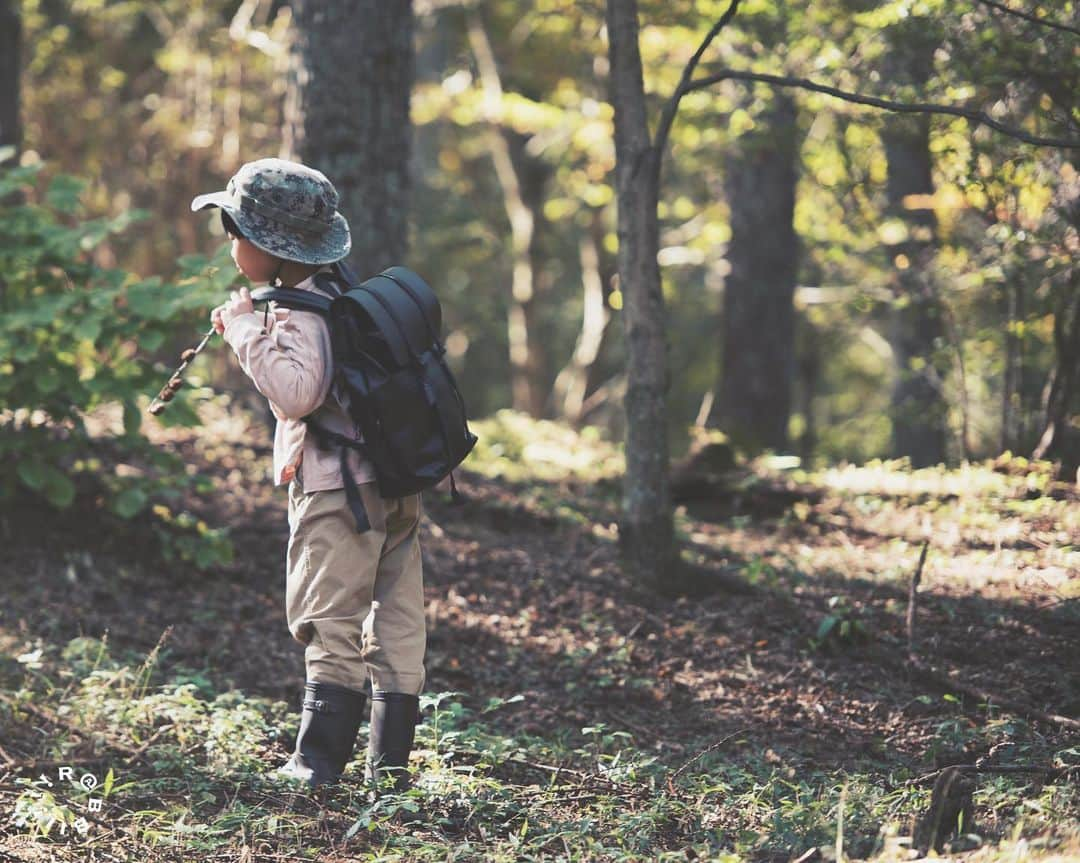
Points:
[(354, 599)]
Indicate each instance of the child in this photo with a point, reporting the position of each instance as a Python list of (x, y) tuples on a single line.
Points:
[(355, 600)]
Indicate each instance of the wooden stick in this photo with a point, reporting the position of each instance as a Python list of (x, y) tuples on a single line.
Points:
[(946, 682), (159, 402), (913, 590), (711, 748)]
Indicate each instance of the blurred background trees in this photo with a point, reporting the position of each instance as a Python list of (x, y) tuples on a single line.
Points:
[(839, 283), (10, 38)]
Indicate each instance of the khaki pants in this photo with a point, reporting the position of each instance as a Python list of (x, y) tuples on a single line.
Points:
[(356, 600)]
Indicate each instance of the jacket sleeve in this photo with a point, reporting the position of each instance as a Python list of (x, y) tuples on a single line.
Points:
[(291, 365)]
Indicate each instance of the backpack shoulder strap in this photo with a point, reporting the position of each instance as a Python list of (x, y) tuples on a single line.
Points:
[(329, 283), (293, 298)]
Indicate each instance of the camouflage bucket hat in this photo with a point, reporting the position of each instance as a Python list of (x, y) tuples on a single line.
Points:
[(286, 209)]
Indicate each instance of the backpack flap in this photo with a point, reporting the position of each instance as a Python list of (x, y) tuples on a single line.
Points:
[(406, 323), (423, 298), (360, 305)]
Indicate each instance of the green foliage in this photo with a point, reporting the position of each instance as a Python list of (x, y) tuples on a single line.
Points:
[(515, 446), (109, 86), (840, 627), (146, 101), (76, 340)]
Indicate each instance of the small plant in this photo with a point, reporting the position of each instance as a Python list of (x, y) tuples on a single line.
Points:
[(841, 627)]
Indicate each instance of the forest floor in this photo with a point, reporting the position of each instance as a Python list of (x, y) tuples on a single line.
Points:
[(779, 713)]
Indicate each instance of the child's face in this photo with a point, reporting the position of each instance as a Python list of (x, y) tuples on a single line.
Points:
[(253, 262)]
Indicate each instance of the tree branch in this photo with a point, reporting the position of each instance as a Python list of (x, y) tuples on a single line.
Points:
[(1045, 22), (975, 116), (667, 115)]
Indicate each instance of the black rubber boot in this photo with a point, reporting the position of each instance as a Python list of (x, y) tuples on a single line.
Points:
[(328, 728), (393, 725)]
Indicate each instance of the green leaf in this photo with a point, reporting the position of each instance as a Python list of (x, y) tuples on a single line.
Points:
[(179, 413), (826, 626), (151, 341), (24, 352), (31, 473), (64, 193), (130, 502), (107, 786), (91, 330), (59, 490), (146, 299), (132, 419), (48, 381), (49, 481)]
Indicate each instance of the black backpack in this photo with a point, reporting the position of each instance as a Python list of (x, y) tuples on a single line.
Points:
[(388, 358)]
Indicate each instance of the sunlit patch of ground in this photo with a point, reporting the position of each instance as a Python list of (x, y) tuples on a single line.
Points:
[(527, 603)]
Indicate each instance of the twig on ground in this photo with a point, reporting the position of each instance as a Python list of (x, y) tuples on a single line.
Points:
[(52, 718), (913, 592), (138, 753), (1045, 770), (944, 681), (711, 748), (645, 733), (4, 754)]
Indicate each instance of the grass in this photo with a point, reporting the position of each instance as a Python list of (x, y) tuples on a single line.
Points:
[(753, 725), (184, 773)]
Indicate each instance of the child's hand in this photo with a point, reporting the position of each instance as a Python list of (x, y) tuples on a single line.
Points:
[(239, 304), (215, 320)]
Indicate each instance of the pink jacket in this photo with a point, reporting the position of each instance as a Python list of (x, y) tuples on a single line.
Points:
[(290, 363)]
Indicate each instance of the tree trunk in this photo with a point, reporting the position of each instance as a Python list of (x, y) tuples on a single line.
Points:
[(523, 180), (917, 329), (10, 36), (10, 129), (918, 404), (568, 392), (347, 114), (646, 531), (1012, 391), (758, 359), (809, 364), (1058, 441)]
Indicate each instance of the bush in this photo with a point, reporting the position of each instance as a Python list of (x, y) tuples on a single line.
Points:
[(76, 336)]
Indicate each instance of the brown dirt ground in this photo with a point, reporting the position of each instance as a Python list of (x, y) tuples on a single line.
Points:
[(523, 602)]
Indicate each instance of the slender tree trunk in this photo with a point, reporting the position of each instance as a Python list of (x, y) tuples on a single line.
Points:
[(568, 392), (10, 37), (918, 408), (758, 359), (646, 532), (1057, 441), (523, 181), (809, 364), (1060, 439), (347, 114), (918, 404), (1011, 396)]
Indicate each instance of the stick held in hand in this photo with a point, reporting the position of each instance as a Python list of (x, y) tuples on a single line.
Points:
[(175, 380)]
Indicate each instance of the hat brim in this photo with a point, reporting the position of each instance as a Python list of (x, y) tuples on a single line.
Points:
[(281, 240), (212, 199)]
